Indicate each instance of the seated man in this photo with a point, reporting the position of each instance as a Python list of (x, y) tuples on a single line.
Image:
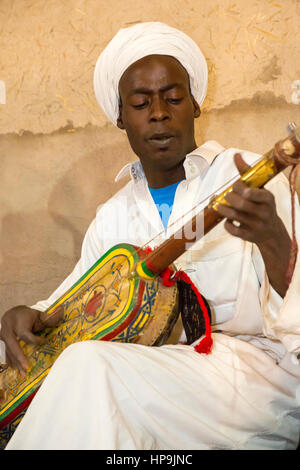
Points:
[(151, 81)]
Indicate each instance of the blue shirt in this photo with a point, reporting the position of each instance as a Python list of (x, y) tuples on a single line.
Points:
[(164, 198)]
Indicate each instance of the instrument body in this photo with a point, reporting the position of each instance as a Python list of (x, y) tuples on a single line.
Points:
[(108, 303)]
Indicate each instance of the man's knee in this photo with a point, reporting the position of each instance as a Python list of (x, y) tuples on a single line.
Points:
[(81, 352)]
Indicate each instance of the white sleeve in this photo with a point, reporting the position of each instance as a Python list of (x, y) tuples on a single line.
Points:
[(91, 251), (281, 319)]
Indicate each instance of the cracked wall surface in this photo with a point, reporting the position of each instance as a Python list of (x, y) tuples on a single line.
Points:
[(58, 152)]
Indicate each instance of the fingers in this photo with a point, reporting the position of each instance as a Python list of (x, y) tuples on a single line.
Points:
[(258, 195), (240, 163), (250, 213), (238, 202), (243, 204), (240, 224), (21, 323), (17, 324), (234, 214), (30, 338), (240, 231), (14, 354), (53, 319), (8, 358)]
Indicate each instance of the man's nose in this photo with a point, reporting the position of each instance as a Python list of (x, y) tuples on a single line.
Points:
[(159, 109)]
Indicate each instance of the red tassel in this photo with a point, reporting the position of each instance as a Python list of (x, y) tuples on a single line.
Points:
[(166, 275), (205, 344)]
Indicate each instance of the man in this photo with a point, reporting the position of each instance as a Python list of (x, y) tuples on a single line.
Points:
[(151, 81)]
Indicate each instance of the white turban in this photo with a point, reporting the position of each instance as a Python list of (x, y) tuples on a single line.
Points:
[(134, 43)]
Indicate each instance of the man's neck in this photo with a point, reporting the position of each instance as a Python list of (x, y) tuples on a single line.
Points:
[(159, 179)]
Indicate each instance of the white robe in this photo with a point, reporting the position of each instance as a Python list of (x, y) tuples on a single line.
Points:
[(244, 395)]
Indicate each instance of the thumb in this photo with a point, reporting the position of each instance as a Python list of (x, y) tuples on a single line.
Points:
[(52, 319), (30, 338), (240, 163)]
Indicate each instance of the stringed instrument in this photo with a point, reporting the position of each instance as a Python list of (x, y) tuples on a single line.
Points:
[(122, 297)]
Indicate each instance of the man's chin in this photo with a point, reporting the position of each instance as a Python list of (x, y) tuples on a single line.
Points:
[(166, 159)]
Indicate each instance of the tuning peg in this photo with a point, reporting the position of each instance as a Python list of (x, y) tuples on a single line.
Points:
[(291, 126)]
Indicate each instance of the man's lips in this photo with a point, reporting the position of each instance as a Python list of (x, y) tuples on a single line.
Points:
[(161, 140)]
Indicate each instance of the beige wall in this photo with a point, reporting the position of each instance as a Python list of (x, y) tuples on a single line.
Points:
[(58, 152)]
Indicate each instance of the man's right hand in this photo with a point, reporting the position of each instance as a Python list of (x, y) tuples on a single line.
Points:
[(21, 323)]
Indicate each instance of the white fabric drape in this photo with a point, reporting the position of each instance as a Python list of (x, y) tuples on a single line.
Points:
[(102, 395)]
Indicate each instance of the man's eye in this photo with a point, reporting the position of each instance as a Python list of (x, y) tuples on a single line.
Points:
[(174, 100), (140, 105)]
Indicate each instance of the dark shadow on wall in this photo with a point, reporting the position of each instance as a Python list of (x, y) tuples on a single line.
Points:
[(88, 183), (30, 268)]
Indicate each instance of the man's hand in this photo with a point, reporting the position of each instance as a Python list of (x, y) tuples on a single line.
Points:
[(252, 216), (21, 323)]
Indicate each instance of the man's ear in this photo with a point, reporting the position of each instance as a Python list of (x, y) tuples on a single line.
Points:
[(197, 110), (120, 120)]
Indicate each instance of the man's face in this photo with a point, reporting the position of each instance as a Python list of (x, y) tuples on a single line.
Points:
[(157, 111)]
